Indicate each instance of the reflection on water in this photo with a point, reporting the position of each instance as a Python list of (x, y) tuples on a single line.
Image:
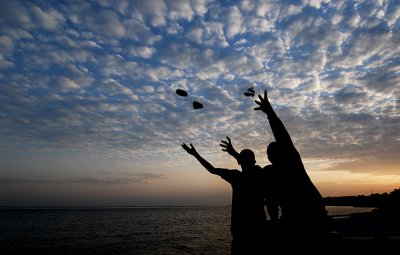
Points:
[(345, 211), (163, 230), (135, 230)]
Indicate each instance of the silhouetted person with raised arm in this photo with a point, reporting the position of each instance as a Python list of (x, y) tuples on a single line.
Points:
[(267, 177), (303, 212), (247, 213)]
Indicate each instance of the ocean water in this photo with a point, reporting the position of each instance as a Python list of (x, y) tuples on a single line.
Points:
[(136, 230), (121, 230)]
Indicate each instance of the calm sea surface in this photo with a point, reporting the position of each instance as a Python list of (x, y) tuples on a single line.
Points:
[(121, 230)]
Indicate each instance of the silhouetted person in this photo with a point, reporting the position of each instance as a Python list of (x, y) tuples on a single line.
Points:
[(267, 177), (303, 212), (247, 213)]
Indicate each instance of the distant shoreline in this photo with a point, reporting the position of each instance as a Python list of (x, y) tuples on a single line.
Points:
[(379, 201), (374, 200)]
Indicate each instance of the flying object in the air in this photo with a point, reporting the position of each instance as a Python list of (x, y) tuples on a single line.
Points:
[(197, 105), (183, 93), (249, 92)]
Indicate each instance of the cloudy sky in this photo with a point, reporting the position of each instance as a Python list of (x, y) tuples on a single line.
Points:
[(89, 113)]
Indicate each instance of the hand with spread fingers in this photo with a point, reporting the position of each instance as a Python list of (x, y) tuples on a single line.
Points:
[(264, 104), (191, 150), (227, 145)]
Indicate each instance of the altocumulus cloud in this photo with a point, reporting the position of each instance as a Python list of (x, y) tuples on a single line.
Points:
[(99, 77)]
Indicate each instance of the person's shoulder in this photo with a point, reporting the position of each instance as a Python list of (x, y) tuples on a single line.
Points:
[(229, 171), (257, 168), (230, 174), (268, 168)]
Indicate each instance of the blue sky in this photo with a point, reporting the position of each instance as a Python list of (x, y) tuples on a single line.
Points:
[(89, 113)]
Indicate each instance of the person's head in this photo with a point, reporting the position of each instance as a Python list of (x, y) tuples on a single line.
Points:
[(247, 159), (275, 153)]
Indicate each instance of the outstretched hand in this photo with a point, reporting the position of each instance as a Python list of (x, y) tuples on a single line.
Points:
[(191, 150), (227, 146), (263, 103)]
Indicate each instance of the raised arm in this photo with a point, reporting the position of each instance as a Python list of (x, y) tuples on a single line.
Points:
[(278, 129), (228, 147), (192, 151)]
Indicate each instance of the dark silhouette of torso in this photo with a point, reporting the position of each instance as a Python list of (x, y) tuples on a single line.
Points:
[(303, 213), (247, 200)]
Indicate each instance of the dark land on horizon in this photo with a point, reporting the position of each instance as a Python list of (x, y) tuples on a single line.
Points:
[(374, 200), (380, 226)]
